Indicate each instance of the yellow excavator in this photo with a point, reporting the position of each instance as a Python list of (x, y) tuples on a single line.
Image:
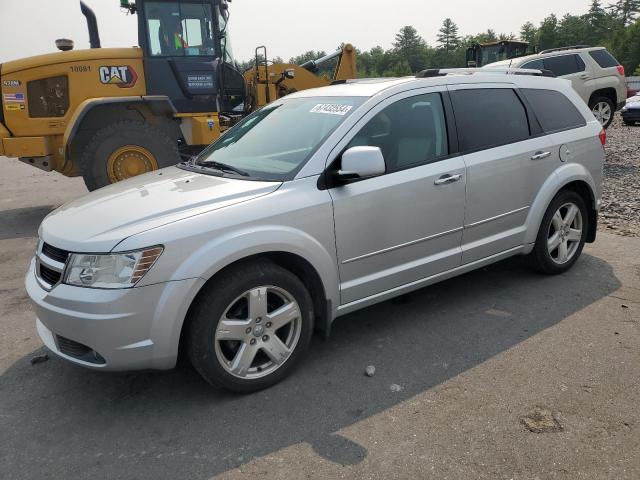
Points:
[(108, 114)]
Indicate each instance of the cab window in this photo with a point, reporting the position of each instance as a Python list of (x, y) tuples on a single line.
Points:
[(179, 29), (410, 132)]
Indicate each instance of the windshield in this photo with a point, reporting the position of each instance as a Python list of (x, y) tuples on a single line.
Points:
[(498, 52), (276, 141)]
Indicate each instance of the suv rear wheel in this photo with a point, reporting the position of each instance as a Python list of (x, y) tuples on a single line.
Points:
[(250, 327), (562, 234), (603, 109)]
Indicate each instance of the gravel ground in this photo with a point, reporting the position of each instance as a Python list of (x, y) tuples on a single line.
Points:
[(621, 197)]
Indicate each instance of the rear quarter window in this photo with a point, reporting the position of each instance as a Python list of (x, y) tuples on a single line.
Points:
[(554, 111), (604, 58), (489, 117)]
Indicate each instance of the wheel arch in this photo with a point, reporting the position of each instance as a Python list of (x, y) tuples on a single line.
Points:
[(607, 92), (574, 177), (295, 263)]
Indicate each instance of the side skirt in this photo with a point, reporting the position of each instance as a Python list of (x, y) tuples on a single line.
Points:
[(418, 284)]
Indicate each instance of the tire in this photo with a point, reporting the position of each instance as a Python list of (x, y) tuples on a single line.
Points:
[(245, 353), (630, 123), (603, 109), (103, 157), (550, 260)]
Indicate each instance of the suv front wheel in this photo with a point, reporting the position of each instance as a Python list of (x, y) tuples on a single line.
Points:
[(603, 109), (250, 326)]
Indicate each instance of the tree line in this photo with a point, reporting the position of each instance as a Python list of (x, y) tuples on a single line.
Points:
[(615, 26)]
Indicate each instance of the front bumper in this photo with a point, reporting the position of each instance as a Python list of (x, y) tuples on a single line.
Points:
[(128, 329)]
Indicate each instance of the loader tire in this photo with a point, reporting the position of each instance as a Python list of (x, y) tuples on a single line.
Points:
[(125, 149)]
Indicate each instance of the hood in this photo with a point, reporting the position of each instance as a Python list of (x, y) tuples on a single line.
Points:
[(100, 220), (72, 56)]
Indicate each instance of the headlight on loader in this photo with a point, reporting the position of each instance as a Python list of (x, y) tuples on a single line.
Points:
[(118, 270)]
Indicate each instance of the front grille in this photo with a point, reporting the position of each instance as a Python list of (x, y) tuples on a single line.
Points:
[(50, 264), (55, 253), (50, 276), (78, 350)]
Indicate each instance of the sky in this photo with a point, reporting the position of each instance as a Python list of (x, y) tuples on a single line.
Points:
[(286, 27)]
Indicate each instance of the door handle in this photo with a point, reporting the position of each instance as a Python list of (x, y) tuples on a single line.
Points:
[(540, 155), (443, 180), (584, 76)]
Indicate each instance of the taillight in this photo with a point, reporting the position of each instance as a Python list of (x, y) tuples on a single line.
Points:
[(621, 70), (603, 137)]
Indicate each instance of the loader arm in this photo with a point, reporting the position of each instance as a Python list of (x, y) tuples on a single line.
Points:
[(267, 82)]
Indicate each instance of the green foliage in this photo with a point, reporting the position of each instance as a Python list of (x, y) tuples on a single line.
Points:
[(617, 27), (410, 49), (625, 11), (528, 32), (448, 38)]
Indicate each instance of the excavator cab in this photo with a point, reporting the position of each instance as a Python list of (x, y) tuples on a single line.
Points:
[(187, 56)]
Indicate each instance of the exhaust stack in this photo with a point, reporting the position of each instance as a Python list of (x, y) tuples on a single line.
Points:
[(92, 25)]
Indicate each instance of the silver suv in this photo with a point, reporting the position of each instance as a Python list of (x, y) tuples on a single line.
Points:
[(594, 73), (320, 204)]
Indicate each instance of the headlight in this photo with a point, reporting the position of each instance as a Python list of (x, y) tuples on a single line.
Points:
[(118, 270)]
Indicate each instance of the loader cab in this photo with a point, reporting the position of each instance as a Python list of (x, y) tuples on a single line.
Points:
[(480, 55), (187, 55)]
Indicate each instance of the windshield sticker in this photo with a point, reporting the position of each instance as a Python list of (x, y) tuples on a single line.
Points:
[(331, 108)]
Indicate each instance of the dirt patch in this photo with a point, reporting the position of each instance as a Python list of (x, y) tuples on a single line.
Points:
[(541, 420)]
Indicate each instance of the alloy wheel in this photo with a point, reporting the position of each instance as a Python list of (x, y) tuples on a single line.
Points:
[(602, 112), (565, 233), (257, 332)]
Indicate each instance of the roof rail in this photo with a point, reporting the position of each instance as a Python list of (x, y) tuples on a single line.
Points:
[(441, 72), (560, 49), (363, 80)]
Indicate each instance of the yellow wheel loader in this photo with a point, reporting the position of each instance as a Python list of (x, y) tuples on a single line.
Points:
[(108, 114)]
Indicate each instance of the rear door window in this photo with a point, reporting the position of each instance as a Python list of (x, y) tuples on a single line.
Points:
[(489, 117), (564, 65), (554, 111), (604, 58)]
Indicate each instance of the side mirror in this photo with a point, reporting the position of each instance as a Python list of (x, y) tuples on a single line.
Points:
[(362, 162)]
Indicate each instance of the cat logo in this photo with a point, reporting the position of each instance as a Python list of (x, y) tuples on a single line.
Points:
[(123, 76)]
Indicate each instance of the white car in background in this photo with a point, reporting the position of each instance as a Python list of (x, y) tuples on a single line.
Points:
[(631, 110)]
